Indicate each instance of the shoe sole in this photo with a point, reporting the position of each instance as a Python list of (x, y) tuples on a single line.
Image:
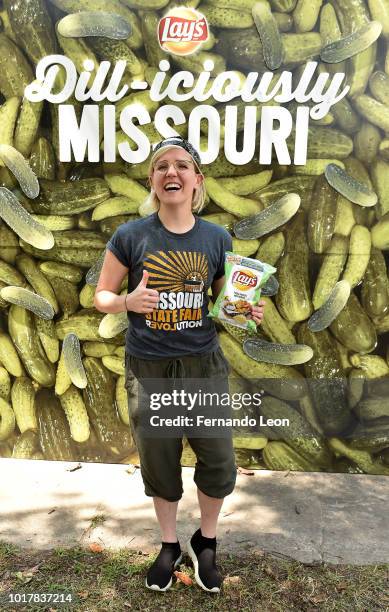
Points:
[(155, 587), (192, 555)]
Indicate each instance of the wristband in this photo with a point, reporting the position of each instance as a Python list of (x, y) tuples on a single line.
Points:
[(125, 301)]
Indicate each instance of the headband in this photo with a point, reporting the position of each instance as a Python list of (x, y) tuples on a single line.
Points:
[(178, 141)]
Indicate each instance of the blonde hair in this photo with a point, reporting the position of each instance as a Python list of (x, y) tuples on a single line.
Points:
[(152, 203)]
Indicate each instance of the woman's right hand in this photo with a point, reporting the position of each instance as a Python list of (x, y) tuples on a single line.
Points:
[(142, 299)]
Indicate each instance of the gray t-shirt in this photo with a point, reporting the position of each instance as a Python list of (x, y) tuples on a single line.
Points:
[(181, 268)]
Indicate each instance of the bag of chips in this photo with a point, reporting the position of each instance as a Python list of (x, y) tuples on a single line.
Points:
[(241, 290)]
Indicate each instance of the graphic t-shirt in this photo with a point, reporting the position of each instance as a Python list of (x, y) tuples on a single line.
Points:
[(181, 268)]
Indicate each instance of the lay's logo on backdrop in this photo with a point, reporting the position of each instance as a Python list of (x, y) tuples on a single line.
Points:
[(244, 280), (182, 30)]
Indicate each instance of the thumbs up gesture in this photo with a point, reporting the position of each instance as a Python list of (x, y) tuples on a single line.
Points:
[(144, 279), (142, 299)]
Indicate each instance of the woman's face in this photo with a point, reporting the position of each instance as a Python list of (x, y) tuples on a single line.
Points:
[(174, 177)]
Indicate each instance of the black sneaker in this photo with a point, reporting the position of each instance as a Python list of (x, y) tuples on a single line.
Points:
[(160, 574), (202, 551)]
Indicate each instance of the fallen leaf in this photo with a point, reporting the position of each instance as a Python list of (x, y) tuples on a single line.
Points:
[(127, 605), (95, 547), (83, 594), (245, 472), (182, 577), (232, 579), (269, 571), (259, 553), (286, 584), (342, 586), (51, 511), (318, 598), (27, 575)]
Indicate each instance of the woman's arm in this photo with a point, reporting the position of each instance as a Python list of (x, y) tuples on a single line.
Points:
[(141, 300), (217, 286), (111, 276)]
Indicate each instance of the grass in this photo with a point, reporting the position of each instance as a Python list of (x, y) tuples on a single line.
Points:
[(114, 581), (97, 520)]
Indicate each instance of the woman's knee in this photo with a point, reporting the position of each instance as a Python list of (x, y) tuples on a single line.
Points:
[(217, 479), (161, 467)]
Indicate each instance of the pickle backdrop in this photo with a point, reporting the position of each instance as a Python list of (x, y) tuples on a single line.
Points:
[(288, 103)]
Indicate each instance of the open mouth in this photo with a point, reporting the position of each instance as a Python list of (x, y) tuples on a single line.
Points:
[(172, 187)]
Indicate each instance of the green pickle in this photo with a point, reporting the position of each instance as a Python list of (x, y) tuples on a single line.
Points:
[(323, 366)]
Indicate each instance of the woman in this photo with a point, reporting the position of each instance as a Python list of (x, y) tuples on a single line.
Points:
[(171, 258)]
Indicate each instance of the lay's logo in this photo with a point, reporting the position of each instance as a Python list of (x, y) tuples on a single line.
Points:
[(244, 280), (182, 30)]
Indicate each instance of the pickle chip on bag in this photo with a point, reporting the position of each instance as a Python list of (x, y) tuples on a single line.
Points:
[(242, 289)]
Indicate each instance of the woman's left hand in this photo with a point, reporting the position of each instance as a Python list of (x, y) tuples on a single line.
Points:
[(257, 312)]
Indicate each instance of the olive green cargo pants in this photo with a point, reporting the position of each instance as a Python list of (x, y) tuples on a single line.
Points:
[(160, 458)]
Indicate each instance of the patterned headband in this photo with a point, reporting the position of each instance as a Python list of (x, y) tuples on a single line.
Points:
[(180, 142)]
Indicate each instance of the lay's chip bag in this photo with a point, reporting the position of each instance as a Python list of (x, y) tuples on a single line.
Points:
[(241, 290)]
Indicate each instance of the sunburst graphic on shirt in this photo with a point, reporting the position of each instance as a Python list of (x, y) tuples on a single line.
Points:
[(177, 271)]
